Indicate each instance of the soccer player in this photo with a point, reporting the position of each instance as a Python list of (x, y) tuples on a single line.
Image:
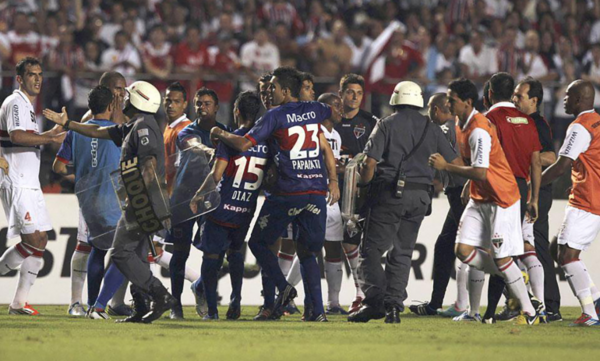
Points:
[(140, 138), (490, 227), (21, 194), (520, 142), (224, 230), (293, 129), (94, 159), (528, 97), (334, 231), (197, 135), (355, 129), (581, 153), (80, 261)]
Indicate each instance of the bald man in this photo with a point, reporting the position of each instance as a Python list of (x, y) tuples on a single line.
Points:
[(580, 153), (443, 256)]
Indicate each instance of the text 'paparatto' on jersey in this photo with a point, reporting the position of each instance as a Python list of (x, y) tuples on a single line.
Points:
[(292, 132), (240, 185)]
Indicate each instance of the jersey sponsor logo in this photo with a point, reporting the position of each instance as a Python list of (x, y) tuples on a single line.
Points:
[(479, 159), (309, 176), (596, 125), (16, 115), (359, 131), (94, 152), (297, 118), (32, 115), (517, 120), (570, 142), (309, 208)]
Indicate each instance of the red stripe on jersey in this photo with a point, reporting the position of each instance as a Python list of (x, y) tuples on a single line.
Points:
[(323, 193), (252, 140), (223, 224), (62, 160)]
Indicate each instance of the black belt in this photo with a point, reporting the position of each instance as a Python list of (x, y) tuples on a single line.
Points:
[(416, 187)]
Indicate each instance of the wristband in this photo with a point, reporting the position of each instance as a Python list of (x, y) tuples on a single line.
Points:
[(66, 126)]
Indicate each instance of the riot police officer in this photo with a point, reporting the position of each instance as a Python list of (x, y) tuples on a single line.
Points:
[(400, 182)]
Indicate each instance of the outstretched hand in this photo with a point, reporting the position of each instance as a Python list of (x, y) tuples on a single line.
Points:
[(58, 118), (4, 165)]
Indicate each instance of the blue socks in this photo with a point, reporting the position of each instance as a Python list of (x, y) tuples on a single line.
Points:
[(210, 277), (269, 264), (95, 274), (113, 279), (311, 276), (236, 272)]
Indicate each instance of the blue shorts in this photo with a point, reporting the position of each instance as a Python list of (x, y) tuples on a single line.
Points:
[(216, 239), (307, 213), (183, 232)]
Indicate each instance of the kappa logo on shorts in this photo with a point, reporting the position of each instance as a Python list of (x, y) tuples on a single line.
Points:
[(263, 221), (497, 240)]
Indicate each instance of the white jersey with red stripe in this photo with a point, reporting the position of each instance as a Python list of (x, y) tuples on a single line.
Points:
[(17, 113)]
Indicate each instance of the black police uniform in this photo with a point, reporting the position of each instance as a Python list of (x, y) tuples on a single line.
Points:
[(443, 256), (393, 223), (141, 138), (541, 225)]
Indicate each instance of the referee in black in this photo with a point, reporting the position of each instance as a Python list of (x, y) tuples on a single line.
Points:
[(528, 97), (400, 182)]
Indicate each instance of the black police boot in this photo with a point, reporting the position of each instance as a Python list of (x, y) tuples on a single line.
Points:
[(162, 301), (141, 305), (366, 313)]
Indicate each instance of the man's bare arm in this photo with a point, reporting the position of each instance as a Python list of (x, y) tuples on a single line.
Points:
[(556, 170), (89, 130), (241, 144)]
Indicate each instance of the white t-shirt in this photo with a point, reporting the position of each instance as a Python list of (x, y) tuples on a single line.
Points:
[(111, 57), (335, 141), (485, 62), (261, 58), (17, 113)]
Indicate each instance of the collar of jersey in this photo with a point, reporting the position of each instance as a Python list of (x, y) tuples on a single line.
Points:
[(178, 120), (23, 95), (473, 112), (502, 104), (585, 112)]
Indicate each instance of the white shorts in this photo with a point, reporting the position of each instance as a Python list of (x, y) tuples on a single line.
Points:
[(579, 228), (25, 211), (334, 231), (489, 226), (528, 232), (82, 230)]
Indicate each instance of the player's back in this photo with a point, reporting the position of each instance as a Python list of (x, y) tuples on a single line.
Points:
[(292, 131), (585, 172), (517, 134), (93, 155), (500, 186), (241, 182), (17, 113)]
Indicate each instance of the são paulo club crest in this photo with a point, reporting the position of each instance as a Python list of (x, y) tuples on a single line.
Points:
[(359, 130)]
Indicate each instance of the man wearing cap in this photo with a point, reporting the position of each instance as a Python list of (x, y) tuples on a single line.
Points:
[(399, 198), (141, 138)]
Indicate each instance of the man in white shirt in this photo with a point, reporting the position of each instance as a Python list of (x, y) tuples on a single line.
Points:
[(478, 61), (259, 56), (20, 190), (123, 58)]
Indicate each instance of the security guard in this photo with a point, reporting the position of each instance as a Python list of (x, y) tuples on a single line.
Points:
[(400, 181), (140, 139)]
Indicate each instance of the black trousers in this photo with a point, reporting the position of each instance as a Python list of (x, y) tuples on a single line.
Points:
[(542, 249), (443, 254)]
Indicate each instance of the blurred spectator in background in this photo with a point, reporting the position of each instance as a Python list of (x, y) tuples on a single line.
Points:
[(259, 56), (123, 57), (156, 56), (190, 56), (478, 61), (331, 56), (224, 66)]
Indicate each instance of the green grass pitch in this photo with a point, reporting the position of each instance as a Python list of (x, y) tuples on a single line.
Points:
[(58, 337)]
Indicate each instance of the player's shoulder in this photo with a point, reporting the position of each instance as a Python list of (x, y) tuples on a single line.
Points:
[(588, 119), (17, 98), (365, 115)]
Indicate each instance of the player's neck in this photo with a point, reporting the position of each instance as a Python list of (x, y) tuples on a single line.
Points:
[(29, 96), (350, 113), (328, 124)]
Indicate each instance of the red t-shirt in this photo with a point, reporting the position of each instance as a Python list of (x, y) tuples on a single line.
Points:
[(397, 66), (517, 134)]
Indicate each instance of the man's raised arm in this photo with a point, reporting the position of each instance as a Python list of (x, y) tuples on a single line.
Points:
[(89, 130)]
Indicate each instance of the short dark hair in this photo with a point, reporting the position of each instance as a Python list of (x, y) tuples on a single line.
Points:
[(205, 91), (486, 93), (535, 90), (249, 105), (177, 87), (464, 89), (289, 78), (263, 79), (109, 77), (351, 79), (99, 98), (327, 98), (24, 63), (306, 76), (502, 86)]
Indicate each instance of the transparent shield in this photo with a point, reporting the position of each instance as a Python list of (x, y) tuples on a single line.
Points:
[(350, 196)]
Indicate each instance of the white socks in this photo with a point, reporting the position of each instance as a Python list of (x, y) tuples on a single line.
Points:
[(164, 258), (476, 282), (593, 288), (333, 275), (462, 294), (79, 271), (481, 260), (294, 276), (285, 262), (535, 270), (352, 258), (579, 280), (27, 276), (516, 286), (14, 256)]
